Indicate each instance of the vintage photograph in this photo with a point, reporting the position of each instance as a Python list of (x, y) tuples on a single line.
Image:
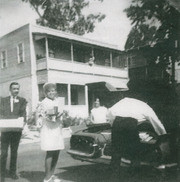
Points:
[(90, 90)]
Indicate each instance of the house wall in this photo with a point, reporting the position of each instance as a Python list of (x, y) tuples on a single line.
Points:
[(82, 79), (42, 76), (9, 43), (17, 72)]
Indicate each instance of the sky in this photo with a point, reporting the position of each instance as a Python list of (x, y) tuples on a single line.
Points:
[(114, 29)]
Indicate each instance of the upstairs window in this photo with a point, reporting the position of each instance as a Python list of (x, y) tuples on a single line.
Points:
[(81, 53), (20, 53), (3, 59), (119, 60), (59, 49), (102, 57)]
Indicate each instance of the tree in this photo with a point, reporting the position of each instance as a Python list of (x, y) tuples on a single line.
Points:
[(140, 36), (65, 15), (155, 23), (155, 29), (153, 20)]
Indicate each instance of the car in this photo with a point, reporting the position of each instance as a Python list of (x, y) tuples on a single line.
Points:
[(93, 144)]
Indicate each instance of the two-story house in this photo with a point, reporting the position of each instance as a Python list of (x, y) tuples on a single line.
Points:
[(33, 55)]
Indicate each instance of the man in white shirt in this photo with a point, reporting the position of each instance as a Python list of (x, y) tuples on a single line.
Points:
[(11, 107), (125, 116), (133, 108), (98, 113)]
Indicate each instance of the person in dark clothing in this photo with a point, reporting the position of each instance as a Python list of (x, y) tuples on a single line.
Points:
[(125, 141), (11, 107), (125, 116)]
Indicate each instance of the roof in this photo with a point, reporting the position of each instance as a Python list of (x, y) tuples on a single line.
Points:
[(36, 29)]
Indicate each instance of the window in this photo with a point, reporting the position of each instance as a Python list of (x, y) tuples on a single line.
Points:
[(81, 53), (77, 95), (20, 53), (62, 90), (59, 49), (3, 59), (102, 57), (119, 61)]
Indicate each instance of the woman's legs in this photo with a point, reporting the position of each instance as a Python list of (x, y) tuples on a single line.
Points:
[(54, 160), (50, 163)]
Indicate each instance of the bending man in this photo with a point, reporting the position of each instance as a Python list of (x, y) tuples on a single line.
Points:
[(125, 115)]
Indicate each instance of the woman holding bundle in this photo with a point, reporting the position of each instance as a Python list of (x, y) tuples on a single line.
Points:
[(49, 114)]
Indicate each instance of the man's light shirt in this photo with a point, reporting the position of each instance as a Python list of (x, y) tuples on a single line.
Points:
[(129, 107)]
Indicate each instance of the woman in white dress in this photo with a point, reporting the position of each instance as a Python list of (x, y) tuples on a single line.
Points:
[(51, 130)]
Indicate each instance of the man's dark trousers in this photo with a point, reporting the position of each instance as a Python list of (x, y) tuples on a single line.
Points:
[(125, 140), (9, 139)]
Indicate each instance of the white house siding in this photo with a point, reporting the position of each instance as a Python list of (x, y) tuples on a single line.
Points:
[(9, 43), (82, 79)]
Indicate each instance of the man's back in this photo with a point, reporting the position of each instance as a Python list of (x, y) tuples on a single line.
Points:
[(129, 107)]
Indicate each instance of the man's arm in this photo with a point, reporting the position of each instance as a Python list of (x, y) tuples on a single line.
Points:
[(156, 123), (1, 108), (23, 112), (91, 117)]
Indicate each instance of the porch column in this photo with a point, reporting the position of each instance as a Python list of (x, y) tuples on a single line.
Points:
[(92, 52), (111, 60), (72, 53), (86, 98), (47, 52), (127, 60), (34, 92), (93, 58), (69, 95)]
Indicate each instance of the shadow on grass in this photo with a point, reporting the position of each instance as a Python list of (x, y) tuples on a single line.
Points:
[(32, 176), (85, 173), (102, 173)]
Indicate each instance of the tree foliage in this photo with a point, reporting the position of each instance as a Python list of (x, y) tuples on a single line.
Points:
[(66, 15), (153, 21), (140, 36)]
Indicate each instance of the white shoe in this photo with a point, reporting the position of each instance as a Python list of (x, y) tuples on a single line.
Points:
[(55, 179), (49, 180)]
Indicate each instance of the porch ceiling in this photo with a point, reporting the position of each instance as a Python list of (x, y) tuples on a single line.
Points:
[(106, 86)]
